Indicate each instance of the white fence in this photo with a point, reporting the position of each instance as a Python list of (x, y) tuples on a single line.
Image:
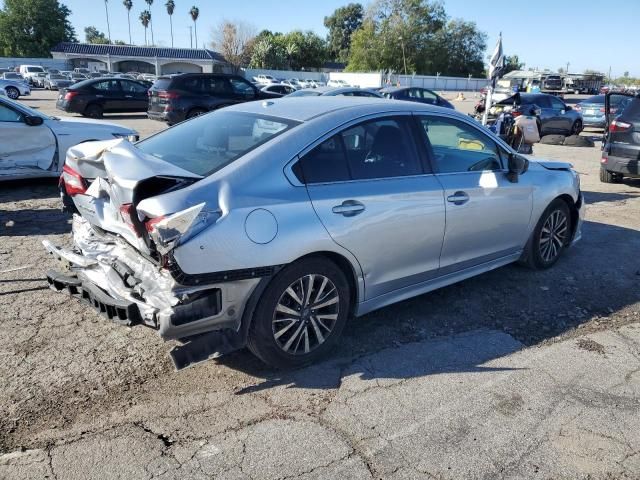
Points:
[(362, 80), (249, 73), (442, 83)]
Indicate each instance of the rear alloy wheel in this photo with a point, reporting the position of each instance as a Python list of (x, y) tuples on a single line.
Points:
[(576, 128), (550, 237), (301, 314), (93, 111), (12, 92), (609, 177)]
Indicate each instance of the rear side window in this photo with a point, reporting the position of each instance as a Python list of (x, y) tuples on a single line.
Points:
[(191, 84), (162, 84), (107, 86), (630, 108), (381, 148)]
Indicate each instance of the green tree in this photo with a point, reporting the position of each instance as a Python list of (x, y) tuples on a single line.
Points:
[(30, 28), (145, 18), (93, 35), (128, 4), (342, 24), (195, 13), (512, 63), (171, 6), (464, 46)]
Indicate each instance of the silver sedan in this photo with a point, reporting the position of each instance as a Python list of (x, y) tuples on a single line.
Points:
[(272, 222)]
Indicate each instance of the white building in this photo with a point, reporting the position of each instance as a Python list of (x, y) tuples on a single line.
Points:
[(130, 58)]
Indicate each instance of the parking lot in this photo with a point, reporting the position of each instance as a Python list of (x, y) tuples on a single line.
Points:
[(512, 374)]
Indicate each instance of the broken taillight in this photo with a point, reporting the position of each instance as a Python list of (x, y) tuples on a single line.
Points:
[(73, 181), (127, 212)]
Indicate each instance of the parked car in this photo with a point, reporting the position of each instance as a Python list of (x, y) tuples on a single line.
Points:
[(266, 79), (55, 81), (262, 220), (14, 90), (278, 89), (332, 92), (95, 97), (76, 77), (53, 71), (33, 144), (29, 71), (621, 151), (16, 77), (338, 83), (592, 110), (173, 99), (83, 71), (93, 75), (555, 116), (37, 80), (416, 94)]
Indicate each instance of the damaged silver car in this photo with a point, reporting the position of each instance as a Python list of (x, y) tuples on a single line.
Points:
[(268, 224)]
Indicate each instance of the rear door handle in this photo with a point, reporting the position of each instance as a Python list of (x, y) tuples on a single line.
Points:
[(128, 96), (458, 198), (349, 208)]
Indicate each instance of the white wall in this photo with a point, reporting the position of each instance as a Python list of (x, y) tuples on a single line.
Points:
[(249, 73), (441, 83), (10, 62)]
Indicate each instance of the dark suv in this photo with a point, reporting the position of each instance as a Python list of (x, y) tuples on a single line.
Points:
[(621, 151), (175, 98)]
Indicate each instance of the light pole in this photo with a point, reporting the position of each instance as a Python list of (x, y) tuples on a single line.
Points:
[(404, 59), (191, 35)]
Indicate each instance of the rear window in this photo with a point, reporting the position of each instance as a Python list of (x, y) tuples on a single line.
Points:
[(162, 84), (206, 144), (305, 93), (594, 99), (631, 110)]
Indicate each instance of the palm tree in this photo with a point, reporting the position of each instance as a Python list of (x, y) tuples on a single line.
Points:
[(106, 9), (145, 18), (170, 8), (150, 2), (195, 13), (128, 4)]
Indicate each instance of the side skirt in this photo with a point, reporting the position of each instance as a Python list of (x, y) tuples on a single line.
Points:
[(434, 284)]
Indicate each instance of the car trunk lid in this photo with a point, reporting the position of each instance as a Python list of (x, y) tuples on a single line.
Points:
[(116, 177)]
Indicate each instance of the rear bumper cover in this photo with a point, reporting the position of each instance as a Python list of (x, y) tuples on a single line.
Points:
[(624, 166), (110, 275)]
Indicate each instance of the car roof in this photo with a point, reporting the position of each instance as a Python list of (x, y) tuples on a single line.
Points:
[(395, 89), (303, 109)]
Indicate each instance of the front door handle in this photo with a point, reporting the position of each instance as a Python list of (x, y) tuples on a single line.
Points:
[(349, 208), (458, 198)]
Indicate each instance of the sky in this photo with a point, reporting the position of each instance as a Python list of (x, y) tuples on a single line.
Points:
[(543, 33)]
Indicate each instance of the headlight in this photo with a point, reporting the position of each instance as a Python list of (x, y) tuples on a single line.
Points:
[(129, 136)]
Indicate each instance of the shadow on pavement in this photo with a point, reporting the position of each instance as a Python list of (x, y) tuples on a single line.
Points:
[(34, 222), (597, 197), (479, 319)]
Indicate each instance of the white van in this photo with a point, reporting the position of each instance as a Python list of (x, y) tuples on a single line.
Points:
[(29, 71)]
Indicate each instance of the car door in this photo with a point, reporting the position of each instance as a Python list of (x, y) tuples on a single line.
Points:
[(487, 216), (135, 96), (109, 94), (372, 193), (23, 146), (547, 115), (563, 120)]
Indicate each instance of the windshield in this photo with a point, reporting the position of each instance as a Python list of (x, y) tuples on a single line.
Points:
[(57, 77), (35, 69), (206, 144)]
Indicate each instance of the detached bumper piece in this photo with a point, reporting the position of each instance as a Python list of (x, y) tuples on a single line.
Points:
[(122, 312)]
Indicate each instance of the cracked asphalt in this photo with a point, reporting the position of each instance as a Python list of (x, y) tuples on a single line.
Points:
[(513, 374)]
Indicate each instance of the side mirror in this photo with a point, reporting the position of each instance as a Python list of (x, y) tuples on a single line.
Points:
[(568, 108), (33, 120), (517, 166)]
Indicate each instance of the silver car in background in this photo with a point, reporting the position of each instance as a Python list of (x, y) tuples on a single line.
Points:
[(272, 222), (14, 90)]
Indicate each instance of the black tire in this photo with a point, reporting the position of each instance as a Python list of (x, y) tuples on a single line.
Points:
[(544, 249), (285, 348), (12, 92), (609, 177), (93, 110), (195, 112), (576, 128)]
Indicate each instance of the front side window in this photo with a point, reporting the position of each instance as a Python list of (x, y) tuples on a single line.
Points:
[(242, 88), (458, 147), (557, 104), (206, 144), (381, 148)]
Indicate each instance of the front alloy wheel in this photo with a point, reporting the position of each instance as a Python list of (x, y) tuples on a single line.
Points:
[(306, 314), (553, 236), (300, 314)]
